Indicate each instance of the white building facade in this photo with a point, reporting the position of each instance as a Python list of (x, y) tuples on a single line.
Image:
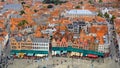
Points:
[(78, 13)]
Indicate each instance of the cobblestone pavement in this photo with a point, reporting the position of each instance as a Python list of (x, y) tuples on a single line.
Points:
[(60, 62)]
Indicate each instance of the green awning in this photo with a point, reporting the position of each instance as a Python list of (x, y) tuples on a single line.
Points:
[(15, 51), (71, 49), (59, 48), (29, 51)]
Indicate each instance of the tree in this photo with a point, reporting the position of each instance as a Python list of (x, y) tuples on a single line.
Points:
[(22, 23), (100, 14), (22, 12), (100, 1), (2, 0), (35, 10), (77, 7), (56, 2), (112, 19), (106, 15), (90, 1), (81, 2), (27, 6), (50, 6), (23, 3)]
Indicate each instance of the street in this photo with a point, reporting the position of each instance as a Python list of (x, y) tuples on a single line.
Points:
[(112, 36)]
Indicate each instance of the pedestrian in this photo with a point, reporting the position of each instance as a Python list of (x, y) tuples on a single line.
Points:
[(111, 56), (27, 61)]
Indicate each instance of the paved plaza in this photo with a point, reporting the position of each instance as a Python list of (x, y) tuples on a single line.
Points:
[(60, 62)]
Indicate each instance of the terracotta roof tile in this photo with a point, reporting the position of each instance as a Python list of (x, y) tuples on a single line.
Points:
[(100, 19), (1, 39), (55, 13), (2, 25), (38, 34), (63, 42), (13, 27)]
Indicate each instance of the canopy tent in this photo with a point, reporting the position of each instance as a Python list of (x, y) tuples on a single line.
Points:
[(63, 52), (58, 52), (30, 54), (71, 49), (92, 56), (40, 55)]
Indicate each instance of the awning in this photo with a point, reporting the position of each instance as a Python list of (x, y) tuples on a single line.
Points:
[(53, 53), (72, 53), (22, 53), (58, 52), (81, 54), (40, 55), (17, 54), (30, 54), (77, 54), (92, 55), (34, 51), (71, 49), (64, 52)]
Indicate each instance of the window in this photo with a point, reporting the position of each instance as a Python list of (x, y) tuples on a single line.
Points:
[(18, 46), (18, 43), (46, 47), (12, 43), (13, 47)]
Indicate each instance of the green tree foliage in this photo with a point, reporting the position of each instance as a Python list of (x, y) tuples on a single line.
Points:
[(22, 12), (77, 7), (100, 1), (100, 14), (81, 2), (2, 0), (27, 6), (50, 6), (35, 10), (91, 1), (56, 2), (23, 3), (22, 23), (112, 19), (106, 15)]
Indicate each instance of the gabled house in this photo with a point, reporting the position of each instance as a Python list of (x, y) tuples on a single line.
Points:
[(63, 42), (54, 43)]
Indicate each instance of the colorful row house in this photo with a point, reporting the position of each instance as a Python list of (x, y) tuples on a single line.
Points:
[(29, 47), (82, 46)]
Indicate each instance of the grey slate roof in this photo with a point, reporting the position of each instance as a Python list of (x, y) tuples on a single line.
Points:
[(16, 7), (44, 40), (15, 16), (18, 39)]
